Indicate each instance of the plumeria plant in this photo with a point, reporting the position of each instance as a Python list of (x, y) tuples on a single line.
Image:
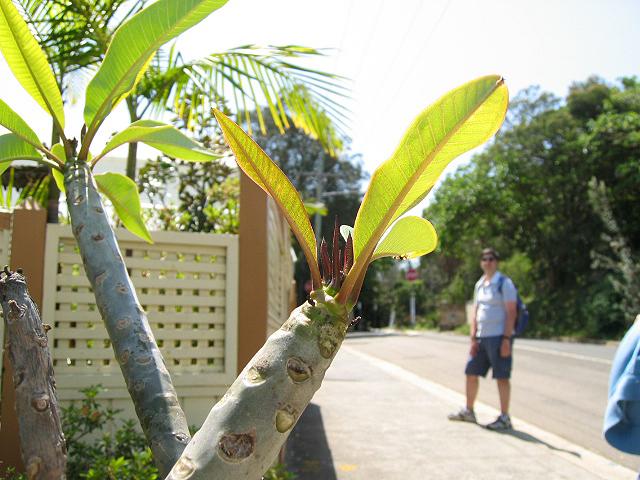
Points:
[(130, 51), (245, 430), (251, 422)]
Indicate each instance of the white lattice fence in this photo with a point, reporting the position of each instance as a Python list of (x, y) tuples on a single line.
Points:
[(279, 267), (186, 282)]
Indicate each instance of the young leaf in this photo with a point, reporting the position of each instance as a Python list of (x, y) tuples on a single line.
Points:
[(165, 138), (123, 193), (12, 147), (409, 237), (28, 62), (132, 48), (459, 121), (14, 123), (266, 174)]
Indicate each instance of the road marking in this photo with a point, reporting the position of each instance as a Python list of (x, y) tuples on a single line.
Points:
[(520, 346), (575, 356), (594, 463)]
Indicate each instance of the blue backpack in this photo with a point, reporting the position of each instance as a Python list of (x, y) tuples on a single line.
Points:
[(522, 314)]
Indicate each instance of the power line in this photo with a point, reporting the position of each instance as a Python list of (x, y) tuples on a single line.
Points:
[(414, 64), (368, 41)]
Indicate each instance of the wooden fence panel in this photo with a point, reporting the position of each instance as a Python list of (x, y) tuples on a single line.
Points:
[(279, 268), (5, 255), (186, 282)]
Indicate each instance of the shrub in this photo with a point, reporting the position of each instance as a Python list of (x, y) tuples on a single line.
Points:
[(95, 452)]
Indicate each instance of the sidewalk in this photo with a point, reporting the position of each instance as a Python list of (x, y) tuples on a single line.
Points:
[(374, 420)]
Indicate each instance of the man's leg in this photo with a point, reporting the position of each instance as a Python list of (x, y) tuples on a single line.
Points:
[(473, 384), (504, 391)]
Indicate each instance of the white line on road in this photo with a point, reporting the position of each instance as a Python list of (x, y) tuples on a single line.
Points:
[(587, 459), (520, 346), (575, 356)]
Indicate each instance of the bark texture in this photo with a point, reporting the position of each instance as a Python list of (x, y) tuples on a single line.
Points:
[(143, 368), (245, 430), (41, 438)]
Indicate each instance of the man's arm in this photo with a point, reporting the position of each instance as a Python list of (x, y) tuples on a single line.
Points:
[(510, 323)]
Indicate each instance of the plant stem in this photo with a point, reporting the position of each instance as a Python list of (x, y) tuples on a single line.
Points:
[(143, 368), (245, 430), (41, 439)]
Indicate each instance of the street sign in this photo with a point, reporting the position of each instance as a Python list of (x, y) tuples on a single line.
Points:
[(412, 274)]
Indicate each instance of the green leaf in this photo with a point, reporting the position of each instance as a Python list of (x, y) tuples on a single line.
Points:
[(459, 121), (3, 167), (28, 62), (12, 147), (165, 138), (58, 176), (123, 193), (409, 237), (14, 123), (268, 176), (316, 207), (132, 48)]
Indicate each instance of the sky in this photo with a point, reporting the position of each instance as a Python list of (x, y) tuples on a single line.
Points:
[(401, 55)]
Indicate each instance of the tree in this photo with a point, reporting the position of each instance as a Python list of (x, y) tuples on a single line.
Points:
[(527, 195), (248, 426), (208, 192), (148, 381), (43, 443), (61, 30), (75, 35)]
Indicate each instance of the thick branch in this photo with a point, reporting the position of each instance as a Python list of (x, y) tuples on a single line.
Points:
[(245, 430), (143, 368), (41, 439)]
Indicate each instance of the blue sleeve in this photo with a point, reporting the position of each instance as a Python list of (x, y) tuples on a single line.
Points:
[(509, 293), (622, 415)]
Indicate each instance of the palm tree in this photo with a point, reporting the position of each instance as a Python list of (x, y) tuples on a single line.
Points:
[(250, 74), (61, 29)]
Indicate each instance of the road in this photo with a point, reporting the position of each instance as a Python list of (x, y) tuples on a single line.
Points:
[(557, 386)]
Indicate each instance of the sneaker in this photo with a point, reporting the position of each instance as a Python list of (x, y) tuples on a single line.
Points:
[(464, 415), (503, 422)]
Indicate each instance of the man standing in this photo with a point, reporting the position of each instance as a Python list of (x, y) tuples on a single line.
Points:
[(492, 326)]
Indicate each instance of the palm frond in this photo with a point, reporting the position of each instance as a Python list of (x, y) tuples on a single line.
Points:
[(75, 33), (253, 76)]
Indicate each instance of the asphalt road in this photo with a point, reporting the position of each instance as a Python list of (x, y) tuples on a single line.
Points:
[(559, 387)]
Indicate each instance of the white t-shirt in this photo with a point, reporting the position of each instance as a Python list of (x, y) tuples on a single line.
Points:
[(491, 313)]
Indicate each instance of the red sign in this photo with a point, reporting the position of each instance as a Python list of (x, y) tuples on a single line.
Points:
[(412, 274)]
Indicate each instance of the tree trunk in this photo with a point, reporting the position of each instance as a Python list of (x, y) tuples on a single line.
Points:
[(132, 160), (132, 152), (53, 200), (41, 438), (143, 368), (245, 430)]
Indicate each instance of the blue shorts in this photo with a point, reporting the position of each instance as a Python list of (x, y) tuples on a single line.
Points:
[(489, 357)]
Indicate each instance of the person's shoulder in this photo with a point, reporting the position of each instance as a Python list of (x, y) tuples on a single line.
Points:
[(506, 281), (479, 282)]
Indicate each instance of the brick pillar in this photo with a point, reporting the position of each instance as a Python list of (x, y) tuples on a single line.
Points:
[(253, 287), (27, 252)]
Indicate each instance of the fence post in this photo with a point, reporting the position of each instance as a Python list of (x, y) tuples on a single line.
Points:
[(253, 281), (27, 252)]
